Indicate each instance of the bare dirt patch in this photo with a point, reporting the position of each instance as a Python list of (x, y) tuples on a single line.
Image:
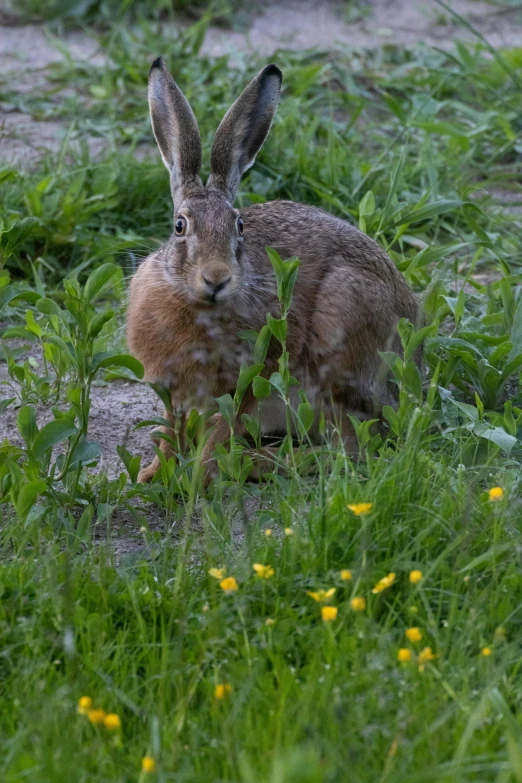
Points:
[(25, 53)]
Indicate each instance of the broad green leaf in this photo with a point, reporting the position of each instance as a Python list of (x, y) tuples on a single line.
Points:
[(19, 332), (496, 435), (417, 338), (456, 342), (226, 408), (132, 464), (276, 381), (278, 327), (367, 204), (52, 433), (85, 453), (393, 420), (85, 522), (97, 323), (4, 404), (512, 367), (262, 344), (32, 325), (50, 307), (156, 421), (261, 387), (246, 376), (100, 279), (305, 414), (27, 496), (163, 393), (27, 425), (117, 360), (411, 380), (252, 426), (66, 349), (12, 294)]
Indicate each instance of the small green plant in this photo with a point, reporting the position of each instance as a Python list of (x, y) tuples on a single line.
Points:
[(68, 336)]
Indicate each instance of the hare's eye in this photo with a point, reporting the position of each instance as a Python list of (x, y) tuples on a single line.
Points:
[(240, 226), (180, 226)]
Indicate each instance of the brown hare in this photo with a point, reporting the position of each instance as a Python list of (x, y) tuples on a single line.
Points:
[(191, 299)]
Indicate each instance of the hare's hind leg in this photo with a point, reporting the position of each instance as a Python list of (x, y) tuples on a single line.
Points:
[(176, 427)]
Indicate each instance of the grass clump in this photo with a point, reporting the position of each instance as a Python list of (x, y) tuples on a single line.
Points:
[(364, 616)]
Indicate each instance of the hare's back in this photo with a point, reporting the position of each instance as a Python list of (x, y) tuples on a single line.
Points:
[(327, 247), (316, 237)]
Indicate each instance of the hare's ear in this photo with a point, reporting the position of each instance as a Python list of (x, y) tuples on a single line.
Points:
[(243, 130), (175, 129)]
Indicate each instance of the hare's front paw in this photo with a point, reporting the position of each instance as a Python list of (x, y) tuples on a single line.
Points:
[(147, 474)]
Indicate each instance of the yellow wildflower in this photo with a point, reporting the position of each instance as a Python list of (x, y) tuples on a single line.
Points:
[(486, 651), (148, 764), (404, 655), (328, 613), (359, 509), (269, 621), (321, 595), (289, 531), (112, 721), (413, 635), (84, 705), (425, 655), (358, 603), (229, 584), (263, 571), (268, 532), (217, 573), (96, 716), (346, 575), (222, 690), (383, 583), (415, 577), (496, 493)]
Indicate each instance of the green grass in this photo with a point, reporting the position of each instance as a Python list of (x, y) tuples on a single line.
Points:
[(397, 142)]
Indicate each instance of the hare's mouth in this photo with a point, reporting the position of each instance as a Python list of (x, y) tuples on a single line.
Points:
[(212, 292)]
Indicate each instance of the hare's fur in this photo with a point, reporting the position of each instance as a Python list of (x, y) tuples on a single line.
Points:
[(191, 300)]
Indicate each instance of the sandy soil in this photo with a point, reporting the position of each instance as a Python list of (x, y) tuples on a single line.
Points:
[(303, 24)]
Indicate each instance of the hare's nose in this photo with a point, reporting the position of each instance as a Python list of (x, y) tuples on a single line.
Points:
[(215, 288)]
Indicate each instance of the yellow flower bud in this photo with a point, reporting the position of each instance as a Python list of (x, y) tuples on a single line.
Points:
[(148, 764), (112, 721), (84, 705), (328, 613), (222, 690)]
